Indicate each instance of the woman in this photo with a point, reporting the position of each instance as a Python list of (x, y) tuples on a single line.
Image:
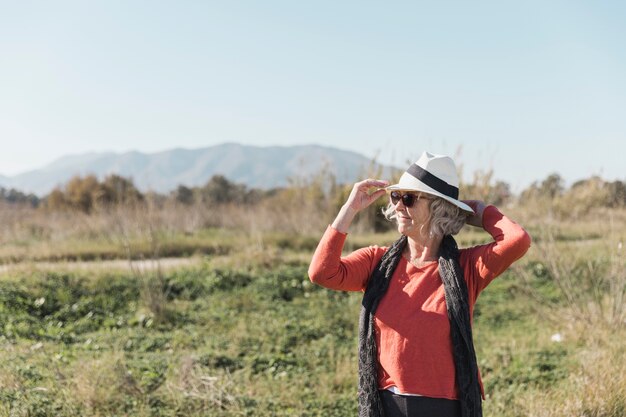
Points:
[(416, 353)]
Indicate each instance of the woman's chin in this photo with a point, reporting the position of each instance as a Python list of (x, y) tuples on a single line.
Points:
[(403, 229)]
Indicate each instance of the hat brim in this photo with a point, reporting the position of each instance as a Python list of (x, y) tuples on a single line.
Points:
[(419, 186)]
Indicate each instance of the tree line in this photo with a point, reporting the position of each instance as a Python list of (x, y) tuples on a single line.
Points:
[(88, 193), (13, 196)]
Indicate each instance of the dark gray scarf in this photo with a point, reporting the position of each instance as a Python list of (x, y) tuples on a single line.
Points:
[(460, 329)]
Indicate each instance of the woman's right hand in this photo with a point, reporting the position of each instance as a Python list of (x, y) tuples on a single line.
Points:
[(361, 197)]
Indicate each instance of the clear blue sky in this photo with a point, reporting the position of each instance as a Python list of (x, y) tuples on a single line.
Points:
[(523, 88)]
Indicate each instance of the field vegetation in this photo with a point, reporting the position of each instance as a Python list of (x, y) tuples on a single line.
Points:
[(239, 330)]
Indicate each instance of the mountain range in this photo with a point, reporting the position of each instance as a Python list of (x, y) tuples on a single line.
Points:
[(256, 167)]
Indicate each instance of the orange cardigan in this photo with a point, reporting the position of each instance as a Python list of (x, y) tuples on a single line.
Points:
[(411, 322)]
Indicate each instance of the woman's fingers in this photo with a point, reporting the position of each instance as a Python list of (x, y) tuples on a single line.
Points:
[(377, 194), (374, 183), (477, 218), (471, 203), (361, 197)]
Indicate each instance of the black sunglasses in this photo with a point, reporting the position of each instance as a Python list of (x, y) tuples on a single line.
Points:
[(408, 199)]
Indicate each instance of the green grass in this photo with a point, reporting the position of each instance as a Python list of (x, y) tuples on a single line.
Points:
[(253, 340), (239, 326)]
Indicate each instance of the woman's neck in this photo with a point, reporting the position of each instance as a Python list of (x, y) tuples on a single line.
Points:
[(422, 250)]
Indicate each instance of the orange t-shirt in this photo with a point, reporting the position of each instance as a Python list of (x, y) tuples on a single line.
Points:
[(411, 322)]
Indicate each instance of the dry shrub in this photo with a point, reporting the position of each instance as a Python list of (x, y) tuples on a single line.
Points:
[(344, 368), (195, 389), (97, 384), (592, 289), (581, 199), (602, 380), (484, 187), (8, 379), (146, 222)]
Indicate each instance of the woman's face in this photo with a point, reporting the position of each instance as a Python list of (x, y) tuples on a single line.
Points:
[(411, 219)]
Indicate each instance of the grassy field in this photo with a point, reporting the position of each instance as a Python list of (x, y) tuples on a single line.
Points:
[(242, 331)]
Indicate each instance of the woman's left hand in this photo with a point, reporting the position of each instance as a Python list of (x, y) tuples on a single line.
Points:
[(478, 206)]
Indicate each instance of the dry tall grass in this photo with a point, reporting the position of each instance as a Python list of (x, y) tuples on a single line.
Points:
[(575, 277), (592, 288)]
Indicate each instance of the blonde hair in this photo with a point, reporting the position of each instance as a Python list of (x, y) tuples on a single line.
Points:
[(444, 219)]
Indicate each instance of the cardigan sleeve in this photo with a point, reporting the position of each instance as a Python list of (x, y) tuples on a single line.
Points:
[(350, 273), (485, 262)]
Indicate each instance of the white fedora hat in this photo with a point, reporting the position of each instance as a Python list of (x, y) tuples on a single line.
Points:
[(433, 174)]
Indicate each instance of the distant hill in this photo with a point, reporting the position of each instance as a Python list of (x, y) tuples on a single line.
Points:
[(258, 167)]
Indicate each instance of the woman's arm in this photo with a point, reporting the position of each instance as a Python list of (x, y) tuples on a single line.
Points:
[(511, 242), (350, 273)]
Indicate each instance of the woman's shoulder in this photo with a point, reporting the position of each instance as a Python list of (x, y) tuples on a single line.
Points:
[(372, 250), (368, 256)]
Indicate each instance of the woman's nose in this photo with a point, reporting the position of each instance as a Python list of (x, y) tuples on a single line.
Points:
[(399, 204)]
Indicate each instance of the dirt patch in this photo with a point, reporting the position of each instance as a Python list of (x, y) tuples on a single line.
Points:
[(118, 265)]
